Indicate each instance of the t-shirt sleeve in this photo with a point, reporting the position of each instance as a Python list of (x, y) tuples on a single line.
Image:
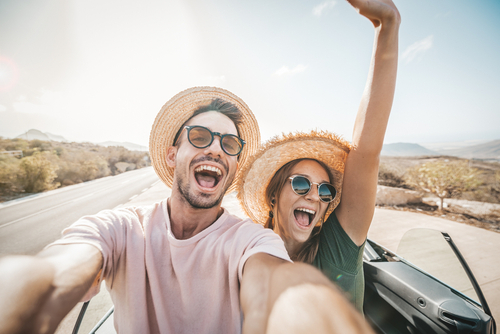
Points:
[(262, 240), (107, 232), (336, 247)]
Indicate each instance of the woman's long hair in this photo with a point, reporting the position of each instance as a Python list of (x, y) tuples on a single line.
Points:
[(309, 249)]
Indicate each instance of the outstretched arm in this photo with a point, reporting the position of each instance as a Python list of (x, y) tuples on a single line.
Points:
[(355, 211), (37, 292), (282, 297)]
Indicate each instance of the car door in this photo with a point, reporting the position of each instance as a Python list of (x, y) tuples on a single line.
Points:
[(426, 288)]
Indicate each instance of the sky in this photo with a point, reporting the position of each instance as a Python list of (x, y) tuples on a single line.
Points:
[(101, 70)]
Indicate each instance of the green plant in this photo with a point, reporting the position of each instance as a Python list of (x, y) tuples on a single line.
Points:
[(37, 172), (443, 178), (9, 168)]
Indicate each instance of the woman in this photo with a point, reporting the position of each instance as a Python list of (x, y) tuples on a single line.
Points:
[(295, 183)]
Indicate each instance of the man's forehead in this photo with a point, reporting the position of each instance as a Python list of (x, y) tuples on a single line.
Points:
[(214, 121)]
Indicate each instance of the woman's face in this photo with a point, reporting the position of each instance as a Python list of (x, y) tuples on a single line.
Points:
[(299, 214)]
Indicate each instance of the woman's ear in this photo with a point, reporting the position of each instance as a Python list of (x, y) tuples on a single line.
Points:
[(273, 201), (171, 155)]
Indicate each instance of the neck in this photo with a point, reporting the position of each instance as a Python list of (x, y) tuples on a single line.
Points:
[(293, 248), (186, 221)]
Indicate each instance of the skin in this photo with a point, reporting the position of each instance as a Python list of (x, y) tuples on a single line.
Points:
[(295, 235), (356, 209)]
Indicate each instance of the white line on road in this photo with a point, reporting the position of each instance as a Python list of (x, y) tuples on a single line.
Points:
[(37, 213)]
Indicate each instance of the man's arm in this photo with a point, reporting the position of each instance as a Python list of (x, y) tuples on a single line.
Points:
[(355, 211), (283, 297), (37, 292)]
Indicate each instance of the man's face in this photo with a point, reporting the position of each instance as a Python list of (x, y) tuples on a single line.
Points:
[(202, 175)]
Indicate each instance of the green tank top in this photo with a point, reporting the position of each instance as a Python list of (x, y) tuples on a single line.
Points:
[(341, 260)]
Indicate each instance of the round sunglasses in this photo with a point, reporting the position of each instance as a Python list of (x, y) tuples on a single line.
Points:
[(301, 185), (201, 137)]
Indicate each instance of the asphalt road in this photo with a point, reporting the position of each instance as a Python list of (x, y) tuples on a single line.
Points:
[(28, 225)]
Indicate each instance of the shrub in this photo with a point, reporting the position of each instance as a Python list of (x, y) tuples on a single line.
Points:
[(391, 176), (9, 167), (37, 172), (443, 179)]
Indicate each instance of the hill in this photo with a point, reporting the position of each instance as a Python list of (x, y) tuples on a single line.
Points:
[(127, 145), (486, 151), (37, 134), (406, 150), (46, 136)]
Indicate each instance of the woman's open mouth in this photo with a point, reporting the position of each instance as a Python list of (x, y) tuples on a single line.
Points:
[(207, 176), (304, 217)]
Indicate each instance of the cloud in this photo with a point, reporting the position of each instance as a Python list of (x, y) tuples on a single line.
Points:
[(319, 9), (284, 70), (417, 48), (3, 108)]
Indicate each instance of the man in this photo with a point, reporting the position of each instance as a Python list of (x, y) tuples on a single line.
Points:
[(176, 266)]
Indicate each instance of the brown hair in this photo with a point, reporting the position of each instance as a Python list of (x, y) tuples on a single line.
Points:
[(310, 247)]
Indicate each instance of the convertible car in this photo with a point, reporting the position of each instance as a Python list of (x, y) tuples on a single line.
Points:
[(426, 288)]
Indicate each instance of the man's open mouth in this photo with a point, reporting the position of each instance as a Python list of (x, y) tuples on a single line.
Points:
[(207, 176), (304, 217)]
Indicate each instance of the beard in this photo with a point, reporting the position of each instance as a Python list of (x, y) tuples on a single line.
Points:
[(202, 200)]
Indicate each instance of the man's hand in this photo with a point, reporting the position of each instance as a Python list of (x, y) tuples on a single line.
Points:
[(282, 297), (37, 292)]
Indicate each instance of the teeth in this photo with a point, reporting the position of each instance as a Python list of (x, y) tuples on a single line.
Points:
[(307, 211), (210, 168)]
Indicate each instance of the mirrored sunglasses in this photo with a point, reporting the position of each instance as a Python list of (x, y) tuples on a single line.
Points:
[(301, 185)]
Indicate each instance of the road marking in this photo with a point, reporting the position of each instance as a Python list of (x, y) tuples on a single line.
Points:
[(45, 210)]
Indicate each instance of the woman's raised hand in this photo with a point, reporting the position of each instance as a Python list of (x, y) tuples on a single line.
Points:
[(377, 11)]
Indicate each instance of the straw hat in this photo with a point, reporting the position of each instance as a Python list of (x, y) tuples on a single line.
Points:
[(179, 109), (257, 174)]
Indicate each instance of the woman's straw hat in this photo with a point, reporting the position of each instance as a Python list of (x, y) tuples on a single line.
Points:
[(257, 173), (179, 109)]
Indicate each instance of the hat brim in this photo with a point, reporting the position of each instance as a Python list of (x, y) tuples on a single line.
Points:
[(179, 109), (256, 175)]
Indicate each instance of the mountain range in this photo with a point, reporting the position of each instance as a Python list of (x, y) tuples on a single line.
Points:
[(37, 134), (486, 151)]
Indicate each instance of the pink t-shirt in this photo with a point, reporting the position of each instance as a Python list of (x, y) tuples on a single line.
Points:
[(160, 284)]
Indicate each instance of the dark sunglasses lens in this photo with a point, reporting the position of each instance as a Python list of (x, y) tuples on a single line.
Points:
[(232, 144), (200, 137), (301, 185), (327, 192)]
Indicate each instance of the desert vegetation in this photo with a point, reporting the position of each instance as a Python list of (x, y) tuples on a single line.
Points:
[(45, 165), (443, 176)]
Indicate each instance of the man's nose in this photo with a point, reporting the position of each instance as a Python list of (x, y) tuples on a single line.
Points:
[(214, 148)]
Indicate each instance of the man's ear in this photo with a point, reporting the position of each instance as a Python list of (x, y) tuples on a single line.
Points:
[(171, 155)]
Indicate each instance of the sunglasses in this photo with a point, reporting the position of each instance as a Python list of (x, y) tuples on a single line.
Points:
[(301, 185), (201, 137)]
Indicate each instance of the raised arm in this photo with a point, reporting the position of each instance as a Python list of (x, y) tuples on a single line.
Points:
[(37, 292), (355, 211), (282, 297)]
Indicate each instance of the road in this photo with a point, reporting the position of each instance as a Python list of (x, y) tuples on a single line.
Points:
[(28, 225)]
